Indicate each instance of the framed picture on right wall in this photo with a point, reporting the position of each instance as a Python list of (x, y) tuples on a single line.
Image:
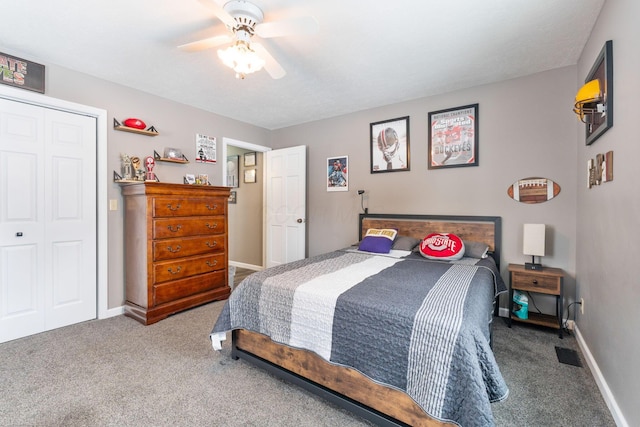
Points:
[(601, 119)]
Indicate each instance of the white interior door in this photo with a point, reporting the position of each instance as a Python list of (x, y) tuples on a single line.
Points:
[(47, 219), (285, 205)]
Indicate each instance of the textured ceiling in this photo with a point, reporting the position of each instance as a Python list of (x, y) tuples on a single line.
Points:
[(368, 53)]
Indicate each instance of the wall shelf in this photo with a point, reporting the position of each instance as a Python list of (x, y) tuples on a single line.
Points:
[(117, 178), (150, 131), (182, 159)]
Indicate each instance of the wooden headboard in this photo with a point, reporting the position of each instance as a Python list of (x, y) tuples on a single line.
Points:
[(485, 229)]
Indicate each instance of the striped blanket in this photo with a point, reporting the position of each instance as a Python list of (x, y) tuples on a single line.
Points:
[(419, 326)]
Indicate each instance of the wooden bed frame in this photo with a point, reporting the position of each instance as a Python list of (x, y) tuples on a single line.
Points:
[(345, 387)]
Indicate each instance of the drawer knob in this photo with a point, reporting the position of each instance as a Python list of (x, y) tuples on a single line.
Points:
[(212, 226), (177, 249), (535, 282), (212, 208), (170, 270), (174, 229), (171, 208), (215, 262), (211, 245)]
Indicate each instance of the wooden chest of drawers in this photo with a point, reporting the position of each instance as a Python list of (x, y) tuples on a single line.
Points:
[(175, 248)]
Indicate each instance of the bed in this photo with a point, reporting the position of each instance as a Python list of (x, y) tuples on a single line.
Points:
[(395, 338)]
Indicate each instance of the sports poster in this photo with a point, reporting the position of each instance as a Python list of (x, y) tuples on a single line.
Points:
[(337, 173), (205, 149), (390, 145), (453, 137)]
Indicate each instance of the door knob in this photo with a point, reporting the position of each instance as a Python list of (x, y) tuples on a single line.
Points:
[(300, 220)]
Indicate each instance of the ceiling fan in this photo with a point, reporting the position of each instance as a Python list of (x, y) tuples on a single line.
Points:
[(244, 20)]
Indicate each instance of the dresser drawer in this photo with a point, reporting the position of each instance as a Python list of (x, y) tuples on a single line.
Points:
[(172, 206), (189, 246), (186, 267), (182, 227), (172, 291), (535, 282)]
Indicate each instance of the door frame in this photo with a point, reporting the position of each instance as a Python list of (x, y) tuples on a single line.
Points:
[(24, 96), (253, 147)]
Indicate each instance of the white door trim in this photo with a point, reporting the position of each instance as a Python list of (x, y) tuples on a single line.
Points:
[(254, 147), (239, 144), (100, 115)]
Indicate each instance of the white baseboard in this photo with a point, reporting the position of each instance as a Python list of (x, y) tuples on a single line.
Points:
[(609, 399), (112, 312), (247, 266)]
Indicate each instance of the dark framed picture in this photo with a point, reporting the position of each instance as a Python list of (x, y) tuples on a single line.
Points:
[(602, 70), (453, 137), (389, 141), (233, 171), (250, 176), (250, 159), (21, 73), (338, 173), (233, 197)]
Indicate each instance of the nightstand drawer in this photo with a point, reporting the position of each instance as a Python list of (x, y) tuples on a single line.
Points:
[(535, 282)]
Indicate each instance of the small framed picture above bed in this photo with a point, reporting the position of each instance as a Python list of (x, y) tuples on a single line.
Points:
[(389, 143), (338, 173), (453, 137)]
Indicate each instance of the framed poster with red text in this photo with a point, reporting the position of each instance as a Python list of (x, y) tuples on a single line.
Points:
[(453, 137)]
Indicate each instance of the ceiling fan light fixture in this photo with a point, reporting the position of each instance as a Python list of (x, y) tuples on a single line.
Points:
[(241, 59)]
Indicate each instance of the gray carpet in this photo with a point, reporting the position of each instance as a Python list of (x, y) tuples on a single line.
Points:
[(117, 372)]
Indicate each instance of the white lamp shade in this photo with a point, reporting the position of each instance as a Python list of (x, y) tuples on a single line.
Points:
[(533, 239)]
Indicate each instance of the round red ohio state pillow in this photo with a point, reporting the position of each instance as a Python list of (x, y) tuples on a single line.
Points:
[(444, 246)]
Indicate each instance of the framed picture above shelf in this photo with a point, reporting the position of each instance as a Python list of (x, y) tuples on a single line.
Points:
[(177, 157), (150, 131)]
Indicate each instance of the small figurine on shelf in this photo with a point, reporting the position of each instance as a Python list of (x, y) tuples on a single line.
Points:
[(138, 169), (150, 163), (127, 173)]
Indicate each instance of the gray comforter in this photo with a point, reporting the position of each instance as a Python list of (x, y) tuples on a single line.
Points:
[(416, 325)]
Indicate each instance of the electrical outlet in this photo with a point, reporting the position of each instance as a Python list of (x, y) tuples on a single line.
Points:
[(581, 305)]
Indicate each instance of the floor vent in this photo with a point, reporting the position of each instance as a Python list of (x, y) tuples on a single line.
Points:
[(568, 356)]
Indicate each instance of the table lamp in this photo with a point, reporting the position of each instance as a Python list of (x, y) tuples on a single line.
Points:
[(533, 244)]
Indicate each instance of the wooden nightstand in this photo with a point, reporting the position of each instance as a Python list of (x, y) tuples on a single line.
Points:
[(546, 281)]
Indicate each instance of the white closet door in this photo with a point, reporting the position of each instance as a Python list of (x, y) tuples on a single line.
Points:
[(47, 219)]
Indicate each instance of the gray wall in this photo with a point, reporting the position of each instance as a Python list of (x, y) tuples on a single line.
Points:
[(526, 128), (608, 229), (245, 217), (177, 125)]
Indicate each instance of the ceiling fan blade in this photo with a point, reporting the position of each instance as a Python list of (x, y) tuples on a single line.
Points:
[(272, 66), (291, 27), (219, 11), (206, 43)]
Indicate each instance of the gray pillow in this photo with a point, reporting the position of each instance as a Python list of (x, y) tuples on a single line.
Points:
[(405, 243), (475, 249)]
